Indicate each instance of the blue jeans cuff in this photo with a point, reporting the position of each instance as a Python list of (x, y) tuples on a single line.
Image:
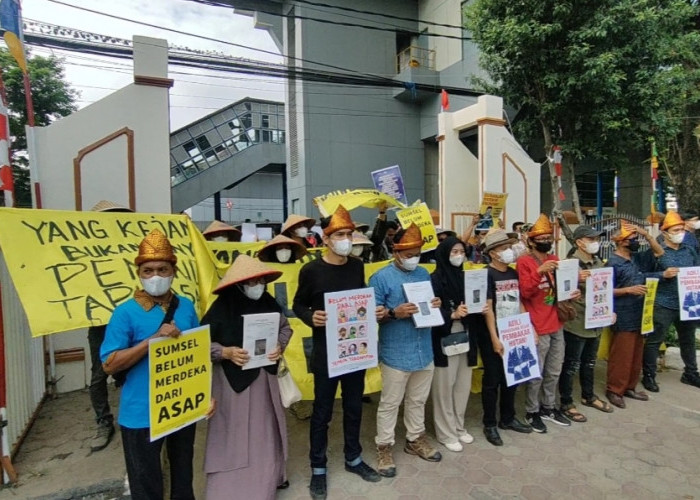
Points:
[(355, 462), (316, 471)]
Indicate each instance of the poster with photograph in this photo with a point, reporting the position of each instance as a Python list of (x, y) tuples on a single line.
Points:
[(421, 293), (519, 350), (351, 331), (689, 292), (260, 332), (475, 286), (648, 312), (599, 298), (491, 208), (567, 278)]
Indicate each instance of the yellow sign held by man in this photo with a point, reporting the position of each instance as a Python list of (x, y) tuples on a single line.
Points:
[(420, 214)]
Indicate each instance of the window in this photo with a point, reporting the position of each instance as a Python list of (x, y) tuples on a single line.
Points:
[(265, 121), (203, 143)]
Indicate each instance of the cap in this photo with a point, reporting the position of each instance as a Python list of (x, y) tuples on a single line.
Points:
[(586, 232)]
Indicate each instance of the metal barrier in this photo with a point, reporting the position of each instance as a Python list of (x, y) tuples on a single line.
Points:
[(609, 225)]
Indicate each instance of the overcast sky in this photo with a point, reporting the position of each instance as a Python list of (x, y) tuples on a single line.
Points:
[(194, 94)]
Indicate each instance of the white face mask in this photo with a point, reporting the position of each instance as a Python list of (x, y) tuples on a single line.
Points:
[(592, 248), (519, 249), (506, 256), (342, 247), (156, 286), (301, 232), (283, 254), (219, 238), (457, 260), (677, 238), (254, 292), (410, 264), (357, 250)]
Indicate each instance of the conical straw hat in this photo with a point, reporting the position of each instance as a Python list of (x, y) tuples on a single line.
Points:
[(245, 268), (220, 227), (265, 253), (295, 219), (109, 206), (360, 239)]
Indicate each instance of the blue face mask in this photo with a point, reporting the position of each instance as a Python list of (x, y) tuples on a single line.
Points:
[(633, 245)]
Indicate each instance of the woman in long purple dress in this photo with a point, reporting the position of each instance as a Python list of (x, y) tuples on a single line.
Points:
[(247, 438)]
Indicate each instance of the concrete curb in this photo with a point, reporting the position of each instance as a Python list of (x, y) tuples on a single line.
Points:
[(106, 490)]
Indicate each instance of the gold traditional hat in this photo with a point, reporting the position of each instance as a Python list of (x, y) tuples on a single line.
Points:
[(497, 237), (295, 219), (155, 246), (626, 231), (265, 253), (339, 220), (109, 206), (541, 226), (671, 219), (411, 238), (360, 239), (219, 227), (246, 268)]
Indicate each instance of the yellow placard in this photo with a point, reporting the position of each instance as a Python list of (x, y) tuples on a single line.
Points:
[(354, 198), (494, 201), (420, 214), (179, 378), (648, 311)]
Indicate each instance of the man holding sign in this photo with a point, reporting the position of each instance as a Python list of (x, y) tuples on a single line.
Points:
[(125, 348)]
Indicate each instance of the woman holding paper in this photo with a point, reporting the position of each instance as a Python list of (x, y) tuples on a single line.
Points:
[(452, 378), (246, 448)]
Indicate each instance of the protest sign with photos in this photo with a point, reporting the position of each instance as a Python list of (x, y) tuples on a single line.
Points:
[(599, 298), (519, 350), (689, 292)]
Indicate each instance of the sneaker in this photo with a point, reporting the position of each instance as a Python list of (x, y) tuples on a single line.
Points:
[(690, 379), (516, 425), (492, 436), (385, 460), (422, 447), (536, 422), (103, 436), (364, 471), (555, 416), (650, 384), (456, 446), (466, 438), (317, 487)]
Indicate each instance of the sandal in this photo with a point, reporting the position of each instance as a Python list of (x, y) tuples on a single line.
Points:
[(598, 404), (574, 415)]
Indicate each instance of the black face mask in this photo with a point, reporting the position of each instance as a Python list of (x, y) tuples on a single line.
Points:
[(543, 246), (633, 245)]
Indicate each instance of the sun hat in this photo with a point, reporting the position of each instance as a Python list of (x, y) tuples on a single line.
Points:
[(246, 268)]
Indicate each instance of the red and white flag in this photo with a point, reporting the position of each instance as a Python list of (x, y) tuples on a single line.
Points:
[(6, 181)]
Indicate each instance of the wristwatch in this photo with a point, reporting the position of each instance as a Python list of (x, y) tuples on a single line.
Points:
[(392, 313)]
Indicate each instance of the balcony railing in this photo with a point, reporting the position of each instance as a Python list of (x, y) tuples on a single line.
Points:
[(415, 57)]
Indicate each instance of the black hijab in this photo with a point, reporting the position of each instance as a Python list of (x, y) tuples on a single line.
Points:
[(225, 317), (449, 277)]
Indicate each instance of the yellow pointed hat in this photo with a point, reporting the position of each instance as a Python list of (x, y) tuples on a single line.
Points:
[(411, 238), (155, 246), (339, 220), (625, 232), (671, 219), (541, 226)]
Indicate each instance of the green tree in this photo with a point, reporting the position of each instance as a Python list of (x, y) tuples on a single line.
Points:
[(596, 77), (52, 98)]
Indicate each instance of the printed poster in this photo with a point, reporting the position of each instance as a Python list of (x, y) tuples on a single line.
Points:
[(475, 286), (567, 279), (179, 377), (260, 335), (491, 208), (420, 214), (689, 292), (351, 331), (421, 294), (519, 350), (599, 298), (648, 312), (389, 180)]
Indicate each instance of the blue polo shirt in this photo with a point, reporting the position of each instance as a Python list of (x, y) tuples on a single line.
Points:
[(631, 272), (129, 325), (402, 346), (684, 256)]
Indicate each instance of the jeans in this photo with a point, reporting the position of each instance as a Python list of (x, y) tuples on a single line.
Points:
[(663, 318), (143, 463), (352, 387), (494, 380), (541, 392), (98, 379), (580, 355)]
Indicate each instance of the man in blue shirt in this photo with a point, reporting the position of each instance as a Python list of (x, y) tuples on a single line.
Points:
[(125, 347), (666, 307), (405, 354)]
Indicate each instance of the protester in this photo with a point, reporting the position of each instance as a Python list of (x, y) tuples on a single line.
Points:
[(666, 306), (538, 295), (282, 250), (383, 236), (631, 269), (581, 344), (125, 347), (361, 246), (503, 301), (405, 354), (218, 231), (332, 273), (99, 396), (249, 403), (452, 378), (442, 235), (298, 228)]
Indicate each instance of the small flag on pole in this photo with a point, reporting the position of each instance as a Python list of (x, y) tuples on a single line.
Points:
[(7, 184), (445, 100)]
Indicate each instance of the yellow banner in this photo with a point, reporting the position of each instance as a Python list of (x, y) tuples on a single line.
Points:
[(354, 198), (71, 269), (420, 214), (648, 310), (179, 375)]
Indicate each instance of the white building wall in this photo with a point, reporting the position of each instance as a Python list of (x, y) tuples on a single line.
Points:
[(448, 51)]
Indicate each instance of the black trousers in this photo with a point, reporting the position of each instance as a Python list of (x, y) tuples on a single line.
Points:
[(493, 382), (98, 379), (352, 386), (143, 463), (580, 354)]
